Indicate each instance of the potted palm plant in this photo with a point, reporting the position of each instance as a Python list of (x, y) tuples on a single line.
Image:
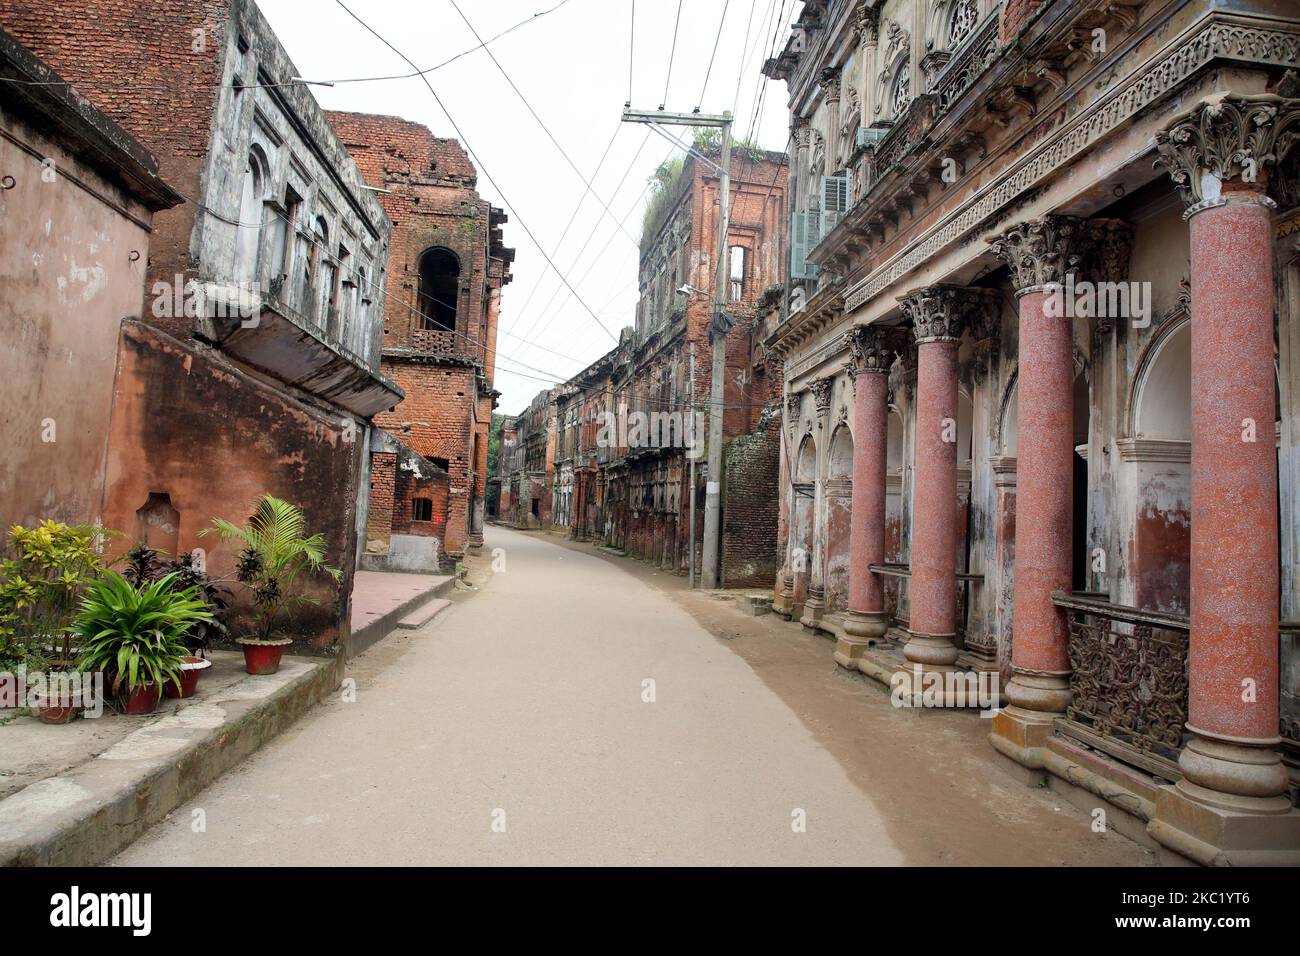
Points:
[(136, 635), (276, 550)]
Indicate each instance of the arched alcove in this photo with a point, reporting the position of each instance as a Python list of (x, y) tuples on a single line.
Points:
[(838, 517), (1162, 400), (801, 525)]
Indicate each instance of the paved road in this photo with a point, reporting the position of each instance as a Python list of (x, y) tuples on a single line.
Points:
[(521, 709)]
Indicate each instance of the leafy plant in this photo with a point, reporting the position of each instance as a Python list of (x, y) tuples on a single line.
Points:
[(143, 564), (136, 635), (40, 580), (276, 550)]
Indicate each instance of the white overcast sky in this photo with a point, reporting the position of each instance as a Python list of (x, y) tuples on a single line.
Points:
[(571, 64)]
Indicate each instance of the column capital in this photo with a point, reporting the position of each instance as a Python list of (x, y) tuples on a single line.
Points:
[(821, 393), (940, 313), (1227, 144), (1045, 251), (870, 350)]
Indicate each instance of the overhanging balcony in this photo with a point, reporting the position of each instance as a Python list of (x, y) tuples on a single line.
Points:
[(263, 332)]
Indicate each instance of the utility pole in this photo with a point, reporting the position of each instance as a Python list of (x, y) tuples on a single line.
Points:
[(691, 458), (719, 327)]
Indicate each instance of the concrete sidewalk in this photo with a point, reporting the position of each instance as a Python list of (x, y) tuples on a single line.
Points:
[(85, 813)]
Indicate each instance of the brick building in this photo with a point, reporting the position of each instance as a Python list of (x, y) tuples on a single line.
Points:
[(623, 430), (1044, 259), (254, 367), (446, 268)]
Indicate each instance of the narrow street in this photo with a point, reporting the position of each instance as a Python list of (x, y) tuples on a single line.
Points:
[(522, 706)]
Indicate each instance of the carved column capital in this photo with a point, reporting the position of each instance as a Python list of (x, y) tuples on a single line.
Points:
[(940, 313), (793, 406), (821, 393), (1045, 251), (1228, 141), (870, 350)]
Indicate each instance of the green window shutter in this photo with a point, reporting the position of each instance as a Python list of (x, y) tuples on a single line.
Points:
[(798, 246), (835, 201)]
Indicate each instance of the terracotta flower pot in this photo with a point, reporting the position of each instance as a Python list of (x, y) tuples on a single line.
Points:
[(263, 657), (189, 682), (58, 708), (142, 700)]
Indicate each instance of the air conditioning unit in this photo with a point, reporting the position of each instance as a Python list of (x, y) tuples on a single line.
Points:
[(870, 136)]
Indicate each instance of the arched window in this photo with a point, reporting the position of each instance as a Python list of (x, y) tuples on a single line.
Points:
[(962, 22), (736, 287), (439, 289), (248, 239), (900, 93)]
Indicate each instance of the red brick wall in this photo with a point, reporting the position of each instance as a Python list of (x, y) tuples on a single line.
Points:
[(435, 420), (751, 508), (1015, 13), (407, 489), (135, 60), (379, 518)]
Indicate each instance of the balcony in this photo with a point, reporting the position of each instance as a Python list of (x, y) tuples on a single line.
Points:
[(263, 332)]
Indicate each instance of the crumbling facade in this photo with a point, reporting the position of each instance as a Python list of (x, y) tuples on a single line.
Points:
[(447, 266), (80, 189), (625, 429), (254, 365), (1042, 260)]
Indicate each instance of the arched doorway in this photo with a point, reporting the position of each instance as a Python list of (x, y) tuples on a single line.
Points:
[(439, 293), (801, 531), (1157, 462), (839, 517)]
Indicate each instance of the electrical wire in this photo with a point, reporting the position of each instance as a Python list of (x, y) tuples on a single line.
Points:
[(546, 129), (479, 163), (672, 53), (301, 82), (709, 72)]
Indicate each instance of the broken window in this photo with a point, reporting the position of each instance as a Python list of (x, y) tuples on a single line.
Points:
[(439, 289), (736, 289)]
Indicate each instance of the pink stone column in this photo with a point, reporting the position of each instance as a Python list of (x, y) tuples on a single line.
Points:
[(934, 520), (1233, 673), (866, 621), (1044, 503)]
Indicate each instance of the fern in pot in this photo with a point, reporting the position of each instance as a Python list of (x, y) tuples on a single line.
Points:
[(136, 635), (276, 551)]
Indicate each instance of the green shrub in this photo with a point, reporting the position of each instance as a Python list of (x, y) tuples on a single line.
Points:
[(136, 635)]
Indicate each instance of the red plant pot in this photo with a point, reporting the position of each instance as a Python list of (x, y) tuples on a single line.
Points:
[(263, 657), (59, 711), (142, 700), (189, 682)]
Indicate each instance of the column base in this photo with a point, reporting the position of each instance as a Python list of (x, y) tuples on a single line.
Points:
[(1191, 821), (931, 651), (861, 629), (813, 609)]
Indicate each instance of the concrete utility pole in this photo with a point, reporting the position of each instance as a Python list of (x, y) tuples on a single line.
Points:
[(718, 329)]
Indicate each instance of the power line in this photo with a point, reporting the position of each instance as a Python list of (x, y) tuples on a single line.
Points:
[(545, 128), (709, 71), (631, 52), (481, 166), (298, 81), (671, 54), (596, 228), (569, 224)]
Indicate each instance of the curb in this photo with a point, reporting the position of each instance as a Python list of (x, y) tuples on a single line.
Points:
[(89, 814), (367, 637)]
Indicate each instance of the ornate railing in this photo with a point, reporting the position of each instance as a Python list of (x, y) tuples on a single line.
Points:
[(1128, 680)]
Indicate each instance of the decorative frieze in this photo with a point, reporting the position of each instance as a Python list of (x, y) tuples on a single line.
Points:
[(1227, 138), (1221, 38), (940, 313)]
